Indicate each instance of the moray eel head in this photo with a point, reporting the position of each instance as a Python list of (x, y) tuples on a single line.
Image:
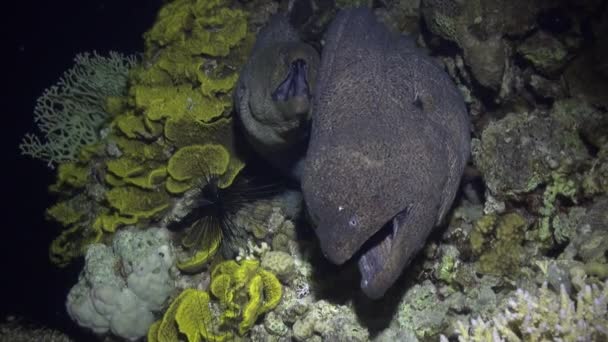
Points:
[(286, 78), (356, 213), (388, 145)]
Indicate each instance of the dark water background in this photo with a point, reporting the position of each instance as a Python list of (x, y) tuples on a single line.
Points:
[(39, 42)]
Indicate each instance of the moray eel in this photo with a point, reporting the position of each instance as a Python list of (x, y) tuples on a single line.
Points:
[(274, 94), (389, 142)]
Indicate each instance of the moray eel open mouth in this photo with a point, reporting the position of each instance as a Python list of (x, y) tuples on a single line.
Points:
[(375, 252), (295, 84)]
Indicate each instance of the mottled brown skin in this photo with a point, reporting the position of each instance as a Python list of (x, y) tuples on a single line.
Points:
[(388, 146), (277, 128)]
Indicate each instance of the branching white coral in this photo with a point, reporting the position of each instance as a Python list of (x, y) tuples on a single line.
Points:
[(546, 316)]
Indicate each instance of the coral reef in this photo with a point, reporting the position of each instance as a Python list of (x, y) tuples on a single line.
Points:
[(546, 315), (169, 128), (522, 150), (478, 27), (522, 254), (121, 287), (239, 293)]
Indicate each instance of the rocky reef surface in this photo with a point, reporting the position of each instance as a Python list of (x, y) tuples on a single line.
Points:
[(523, 254)]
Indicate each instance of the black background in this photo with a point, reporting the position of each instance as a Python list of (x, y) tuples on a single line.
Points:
[(39, 41)]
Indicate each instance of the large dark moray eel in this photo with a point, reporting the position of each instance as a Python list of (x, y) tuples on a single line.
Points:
[(274, 94), (389, 143)]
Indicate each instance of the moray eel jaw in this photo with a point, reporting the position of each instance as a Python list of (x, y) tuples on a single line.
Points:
[(374, 258), (295, 86), (375, 255), (292, 97)]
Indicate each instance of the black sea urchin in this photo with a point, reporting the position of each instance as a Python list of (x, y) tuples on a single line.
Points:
[(209, 211)]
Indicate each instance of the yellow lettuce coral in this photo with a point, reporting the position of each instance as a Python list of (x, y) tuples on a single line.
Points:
[(189, 314), (246, 290), (240, 293), (72, 242), (70, 174), (135, 202), (210, 244), (193, 162)]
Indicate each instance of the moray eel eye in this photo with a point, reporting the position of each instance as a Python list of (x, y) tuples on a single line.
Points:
[(295, 84), (353, 222)]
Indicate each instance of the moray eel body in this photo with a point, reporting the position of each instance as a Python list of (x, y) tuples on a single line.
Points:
[(274, 93), (388, 145)]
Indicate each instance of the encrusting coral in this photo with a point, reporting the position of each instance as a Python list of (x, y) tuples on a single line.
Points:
[(498, 242)]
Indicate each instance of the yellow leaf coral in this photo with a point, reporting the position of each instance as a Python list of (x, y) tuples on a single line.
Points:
[(189, 314), (240, 293), (72, 242), (209, 246), (70, 174), (64, 213), (250, 289), (110, 222), (132, 201), (196, 161)]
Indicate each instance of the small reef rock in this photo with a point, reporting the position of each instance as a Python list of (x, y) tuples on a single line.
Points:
[(389, 142)]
